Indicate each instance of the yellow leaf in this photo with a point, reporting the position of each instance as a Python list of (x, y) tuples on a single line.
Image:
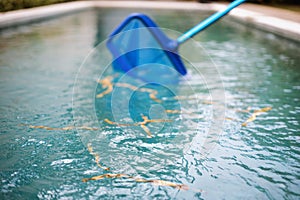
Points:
[(266, 109), (117, 124), (140, 180), (229, 118), (147, 130), (97, 158), (94, 178), (255, 114), (126, 85)]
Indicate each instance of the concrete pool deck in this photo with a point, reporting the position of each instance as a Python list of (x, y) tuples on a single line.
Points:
[(281, 22)]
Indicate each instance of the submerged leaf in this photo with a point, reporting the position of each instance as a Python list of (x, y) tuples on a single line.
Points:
[(87, 128), (167, 183), (266, 109), (255, 114), (42, 127), (117, 124), (173, 111), (229, 118), (127, 85), (67, 128), (142, 124), (245, 111), (94, 178), (146, 120), (106, 84), (152, 92), (154, 98), (107, 91), (140, 180), (97, 157), (250, 119), (147, 130)]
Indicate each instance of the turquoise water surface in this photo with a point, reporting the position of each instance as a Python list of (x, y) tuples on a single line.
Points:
[(48, 75)]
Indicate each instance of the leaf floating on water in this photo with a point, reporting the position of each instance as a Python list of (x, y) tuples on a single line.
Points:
[(148, 90), (110, 122), (42, 127), (147, 130), (63, 128), (250, 119), (152, 92), (87, 128), (168, 183), (117, 124), (106, 84), (95, 178), (127, 85), (142, 124), (245, 111), (229, 118), (255, 114), (157, 121), (97, 157), (146, 120), (68, 128), (266, 109), (140, 180), (173, 111), (154, 98)]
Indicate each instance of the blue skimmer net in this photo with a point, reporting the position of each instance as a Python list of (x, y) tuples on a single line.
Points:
[(139, 42)]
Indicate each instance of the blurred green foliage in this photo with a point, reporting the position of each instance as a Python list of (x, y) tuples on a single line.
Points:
[(7, 5)]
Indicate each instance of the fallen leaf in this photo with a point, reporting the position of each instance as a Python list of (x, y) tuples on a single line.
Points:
[(154, 98), (147, 130), (63, 128), (94, 178), (127, 85), (96, 156), (229, 118), (266, 109), (106, 84), (152, 92), (142, 124), (117, 124), (255, 114), (140, 180), (245, 111)]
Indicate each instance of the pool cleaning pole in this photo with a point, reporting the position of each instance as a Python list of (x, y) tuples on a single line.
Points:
[(207, 22)]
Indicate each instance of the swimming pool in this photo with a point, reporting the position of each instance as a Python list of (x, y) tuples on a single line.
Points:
[(39, 64)]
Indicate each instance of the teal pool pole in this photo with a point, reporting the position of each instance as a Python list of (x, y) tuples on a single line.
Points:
[(207, 22)]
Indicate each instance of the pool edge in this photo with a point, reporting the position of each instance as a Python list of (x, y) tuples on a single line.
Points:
[(281, 27)]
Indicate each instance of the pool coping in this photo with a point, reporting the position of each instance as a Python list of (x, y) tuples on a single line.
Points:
[(286, 28)]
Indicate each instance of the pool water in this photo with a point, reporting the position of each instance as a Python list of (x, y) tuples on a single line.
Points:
[(47, 78)]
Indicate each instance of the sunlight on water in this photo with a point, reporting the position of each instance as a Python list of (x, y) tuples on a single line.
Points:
[(45, 155)]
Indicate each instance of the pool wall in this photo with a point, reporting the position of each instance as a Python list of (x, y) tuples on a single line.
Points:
[(289, 29)]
